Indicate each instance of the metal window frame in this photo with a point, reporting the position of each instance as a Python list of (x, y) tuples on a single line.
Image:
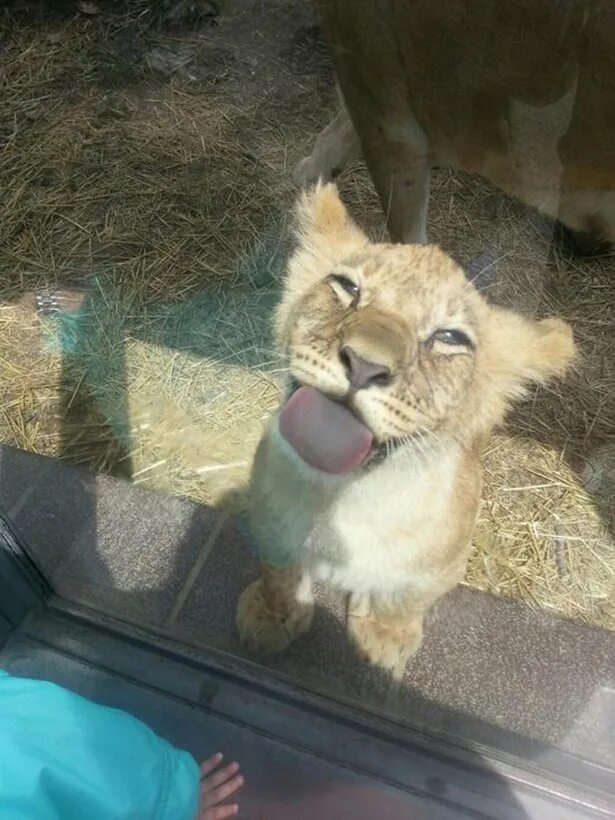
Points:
[(22, 587)]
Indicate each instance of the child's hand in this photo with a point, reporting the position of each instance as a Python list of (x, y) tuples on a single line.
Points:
[(217, 787)]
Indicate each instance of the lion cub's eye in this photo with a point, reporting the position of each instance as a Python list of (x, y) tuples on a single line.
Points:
[(451, 337), (347, 285)]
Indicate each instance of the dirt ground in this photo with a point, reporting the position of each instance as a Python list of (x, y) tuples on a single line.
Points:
[(146, 152)]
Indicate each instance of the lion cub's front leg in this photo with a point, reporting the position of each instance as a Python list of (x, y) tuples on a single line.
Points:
[(275, 610), (386, 632)]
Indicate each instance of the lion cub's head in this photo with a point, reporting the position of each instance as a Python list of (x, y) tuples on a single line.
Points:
[(399, 340)]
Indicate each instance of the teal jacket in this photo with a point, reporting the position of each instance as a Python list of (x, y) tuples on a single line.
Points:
[(65, 758)]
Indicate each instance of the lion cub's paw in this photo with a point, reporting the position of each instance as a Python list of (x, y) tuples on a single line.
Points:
[(262, 630), (388, 646)]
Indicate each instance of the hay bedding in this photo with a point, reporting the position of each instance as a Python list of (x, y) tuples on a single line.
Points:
[(149, 161)]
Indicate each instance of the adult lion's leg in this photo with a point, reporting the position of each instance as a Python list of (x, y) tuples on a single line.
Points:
[(276, 609), (386, 630), (336, 146), (400, 169)]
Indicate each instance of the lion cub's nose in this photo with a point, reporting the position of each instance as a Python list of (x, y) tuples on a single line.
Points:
[(361, 372)]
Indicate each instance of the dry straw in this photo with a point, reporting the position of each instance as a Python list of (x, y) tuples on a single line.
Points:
[(161, 185)]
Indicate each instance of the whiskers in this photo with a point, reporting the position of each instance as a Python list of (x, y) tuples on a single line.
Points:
[(421, 444), (423, 441), (315, 370), (481, 266)]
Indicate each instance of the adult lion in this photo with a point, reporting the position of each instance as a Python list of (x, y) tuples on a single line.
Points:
[(520, 92)]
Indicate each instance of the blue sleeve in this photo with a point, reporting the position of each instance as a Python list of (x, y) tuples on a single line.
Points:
[(65, 758)]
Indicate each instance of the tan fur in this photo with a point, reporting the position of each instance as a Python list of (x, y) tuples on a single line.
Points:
[(395, 536), (522, 93)]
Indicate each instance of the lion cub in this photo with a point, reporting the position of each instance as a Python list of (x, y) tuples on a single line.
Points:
[(369, 475)]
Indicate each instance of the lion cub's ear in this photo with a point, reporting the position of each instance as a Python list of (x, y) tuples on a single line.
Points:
[(521, 351), (327, 235), (324, 225), (549, 349)]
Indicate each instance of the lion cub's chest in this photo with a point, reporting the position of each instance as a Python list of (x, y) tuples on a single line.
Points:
[(380, 528)]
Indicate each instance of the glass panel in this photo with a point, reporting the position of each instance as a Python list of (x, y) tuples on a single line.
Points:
[(151, 162)]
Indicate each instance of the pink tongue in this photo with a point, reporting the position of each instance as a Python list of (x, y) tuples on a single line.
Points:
[(323, 432)]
